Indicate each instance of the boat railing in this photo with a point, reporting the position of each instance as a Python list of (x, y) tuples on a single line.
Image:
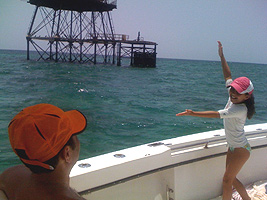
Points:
[(214, 140)]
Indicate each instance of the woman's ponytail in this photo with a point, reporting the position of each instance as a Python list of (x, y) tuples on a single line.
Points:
[(250, 106)]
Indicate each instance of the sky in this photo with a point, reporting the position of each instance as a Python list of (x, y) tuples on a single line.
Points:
[(183, 29)]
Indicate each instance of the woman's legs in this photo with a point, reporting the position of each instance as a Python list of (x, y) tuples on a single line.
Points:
[(234, 162), (240, 189)]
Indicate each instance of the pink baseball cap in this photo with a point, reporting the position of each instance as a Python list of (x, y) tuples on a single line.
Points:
[(242, 85)]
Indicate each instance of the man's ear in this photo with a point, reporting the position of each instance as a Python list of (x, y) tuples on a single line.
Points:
[(66, 154)]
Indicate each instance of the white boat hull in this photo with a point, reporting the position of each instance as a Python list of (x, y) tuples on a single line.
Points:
[(183, 168)]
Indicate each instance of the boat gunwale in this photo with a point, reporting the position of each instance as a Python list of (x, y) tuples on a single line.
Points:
[(85, 192), (251, 135)]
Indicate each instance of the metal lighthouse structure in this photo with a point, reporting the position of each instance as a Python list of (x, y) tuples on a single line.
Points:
[(83, 31)]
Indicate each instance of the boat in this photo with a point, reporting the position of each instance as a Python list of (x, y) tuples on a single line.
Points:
[(183, 168)]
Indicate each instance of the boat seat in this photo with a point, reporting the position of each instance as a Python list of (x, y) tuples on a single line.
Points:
[(2, 195)]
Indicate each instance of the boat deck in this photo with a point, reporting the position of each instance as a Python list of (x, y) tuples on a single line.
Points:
[(256, 191)]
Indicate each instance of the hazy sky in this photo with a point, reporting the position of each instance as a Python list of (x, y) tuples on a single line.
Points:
[(184, 29)]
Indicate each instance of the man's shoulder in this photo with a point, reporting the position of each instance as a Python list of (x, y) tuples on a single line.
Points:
[(18, 169), (16, 179), (9, 179), (12, 174)]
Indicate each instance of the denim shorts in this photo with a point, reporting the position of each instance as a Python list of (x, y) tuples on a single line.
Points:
[(247, 147)]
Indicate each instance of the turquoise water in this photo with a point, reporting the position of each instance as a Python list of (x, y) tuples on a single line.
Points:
[(125, 106)]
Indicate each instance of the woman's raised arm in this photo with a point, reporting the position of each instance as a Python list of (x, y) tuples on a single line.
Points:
[(225, 67)]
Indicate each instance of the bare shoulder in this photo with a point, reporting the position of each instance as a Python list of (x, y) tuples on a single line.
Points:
[(15, 168), (16, 183), (19, 170), (12, 176)]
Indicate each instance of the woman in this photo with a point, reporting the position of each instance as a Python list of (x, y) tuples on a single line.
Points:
[(239, 107)]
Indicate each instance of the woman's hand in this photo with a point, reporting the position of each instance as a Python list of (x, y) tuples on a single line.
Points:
[(186, 112), (220, 49)]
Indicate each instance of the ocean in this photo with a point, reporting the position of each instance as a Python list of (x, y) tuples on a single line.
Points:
[(124, 106)]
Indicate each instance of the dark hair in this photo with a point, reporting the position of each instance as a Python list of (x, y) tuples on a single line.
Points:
[(53, 161), (250, 106)]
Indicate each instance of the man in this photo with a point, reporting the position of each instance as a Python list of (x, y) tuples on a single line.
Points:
[(44, 138)]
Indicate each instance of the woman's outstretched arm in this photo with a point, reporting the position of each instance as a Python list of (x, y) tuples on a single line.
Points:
[(207, 114)]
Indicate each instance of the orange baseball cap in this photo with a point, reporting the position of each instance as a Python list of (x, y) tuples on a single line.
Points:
[(39, 132)]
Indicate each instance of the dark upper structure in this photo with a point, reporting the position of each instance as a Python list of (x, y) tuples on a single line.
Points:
[(83, 32), (76, 5)]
